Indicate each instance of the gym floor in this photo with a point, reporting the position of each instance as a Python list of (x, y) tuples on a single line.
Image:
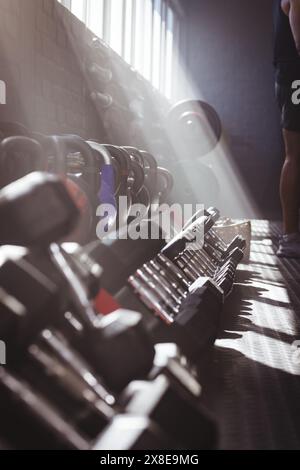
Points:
[(255, 390)]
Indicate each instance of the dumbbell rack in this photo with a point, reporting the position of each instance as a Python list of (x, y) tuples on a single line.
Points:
[(72, 377), (206, 268)]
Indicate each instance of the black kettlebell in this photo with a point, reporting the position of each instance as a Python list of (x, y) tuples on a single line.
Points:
[(165, 183), (19, 156), (11, 129), (105, 160), (83, 187)]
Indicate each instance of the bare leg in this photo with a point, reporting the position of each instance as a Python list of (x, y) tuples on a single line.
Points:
[(290, 182)]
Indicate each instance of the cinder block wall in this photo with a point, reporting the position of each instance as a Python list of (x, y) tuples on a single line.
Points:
[(46, 89)]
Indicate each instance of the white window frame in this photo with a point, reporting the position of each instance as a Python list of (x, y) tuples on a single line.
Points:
[(156, 61)]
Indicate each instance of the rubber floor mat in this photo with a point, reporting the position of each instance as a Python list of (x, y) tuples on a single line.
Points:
[(255, 376)]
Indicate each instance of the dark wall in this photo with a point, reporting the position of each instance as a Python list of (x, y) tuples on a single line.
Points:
[(228, 55)]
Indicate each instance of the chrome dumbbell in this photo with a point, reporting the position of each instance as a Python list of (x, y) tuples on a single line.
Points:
[(151, 299), (156, 287), (179, 275), (169, 276), (164, 282)]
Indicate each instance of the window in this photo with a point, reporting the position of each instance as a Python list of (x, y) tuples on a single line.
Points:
[(144, 32)]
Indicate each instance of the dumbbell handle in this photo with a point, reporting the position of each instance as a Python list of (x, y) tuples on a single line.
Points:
[(211, 215), (163, 282), (75, 382), (169, 276), (179, 275), (158, 289), (151, 300), (184, 238), (80, 298), (46, 413), (202, 259)]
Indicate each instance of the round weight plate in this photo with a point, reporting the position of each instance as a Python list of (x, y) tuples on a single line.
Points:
[(195, 127)]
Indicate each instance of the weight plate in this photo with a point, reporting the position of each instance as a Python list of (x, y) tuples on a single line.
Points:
[(195, 127)]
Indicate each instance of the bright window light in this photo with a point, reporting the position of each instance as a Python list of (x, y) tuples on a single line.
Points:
[(128, 36), (139, 35), (79, 9), (116, 25), (156, 43), (144, 32), (147, 53), (95, 17), (169, 54), (163, 47)]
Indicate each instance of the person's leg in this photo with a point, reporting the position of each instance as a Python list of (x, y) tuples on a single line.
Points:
[(290, 182)]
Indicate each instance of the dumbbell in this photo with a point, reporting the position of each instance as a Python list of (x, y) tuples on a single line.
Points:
[(129, 432), (168, 276), (73, 392), (154, 284), (224, 276), (157, 275), (118, 347), (189, 267), (215, 239), (151, 299), (100, 332), (23, 205), (237, 242), (170, 361), (200, 314), (206, 261), (212, 254), (176, 273), (182, 240), (40, 425), (113, 349), (33, 295), (195, 318), (85, 267), (175, 409), (212, 215), (57, 371), (193, 269), (120, 250)]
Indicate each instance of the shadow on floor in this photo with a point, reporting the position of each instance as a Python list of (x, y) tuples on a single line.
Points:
[(257, 406)]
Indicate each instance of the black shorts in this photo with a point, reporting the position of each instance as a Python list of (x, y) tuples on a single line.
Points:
[(290, 112)]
